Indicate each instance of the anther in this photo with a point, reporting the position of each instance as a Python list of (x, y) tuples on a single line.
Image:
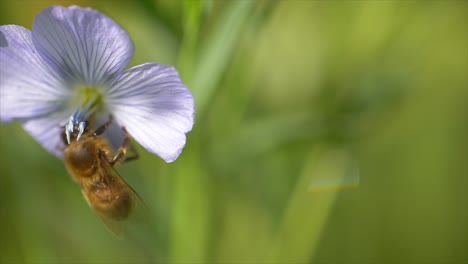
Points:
[(69, 129), (81, 128)]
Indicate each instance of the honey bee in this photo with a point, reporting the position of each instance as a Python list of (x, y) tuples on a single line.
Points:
[(89, 161)]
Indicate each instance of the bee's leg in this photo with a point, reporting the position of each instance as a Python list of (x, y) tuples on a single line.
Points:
[(103, 127), (134, 151), (121, 157)]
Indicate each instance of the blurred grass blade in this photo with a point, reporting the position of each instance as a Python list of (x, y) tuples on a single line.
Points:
[(192, 16), (307, 212), (215, 53), (191, 219), (337, 172), (261, 136), (161, 16), (190, 222)]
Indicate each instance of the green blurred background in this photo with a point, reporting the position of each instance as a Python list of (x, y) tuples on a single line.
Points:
[(326, 132)]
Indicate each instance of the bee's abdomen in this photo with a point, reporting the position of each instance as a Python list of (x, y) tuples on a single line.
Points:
[(113, 202)]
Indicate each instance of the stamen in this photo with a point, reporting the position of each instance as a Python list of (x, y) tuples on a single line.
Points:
[(69, 129), (83, 113), (81, 128), (92, 102)]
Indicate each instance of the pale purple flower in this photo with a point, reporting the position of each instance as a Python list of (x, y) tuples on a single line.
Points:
[(76, 57)]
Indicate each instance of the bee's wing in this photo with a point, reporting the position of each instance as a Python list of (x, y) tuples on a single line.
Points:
[(115, 185)]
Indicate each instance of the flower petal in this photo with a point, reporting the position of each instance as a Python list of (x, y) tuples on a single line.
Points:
[(114, 133), (155, 107), (48, 131), (28, 87), (83, 44)]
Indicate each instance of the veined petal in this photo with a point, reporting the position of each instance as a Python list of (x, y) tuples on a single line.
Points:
[(28, 86), (48, 131), (83, 45), (114, 133), (155, 107)]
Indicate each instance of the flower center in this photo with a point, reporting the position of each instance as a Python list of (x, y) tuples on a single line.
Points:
[(90, 99)]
